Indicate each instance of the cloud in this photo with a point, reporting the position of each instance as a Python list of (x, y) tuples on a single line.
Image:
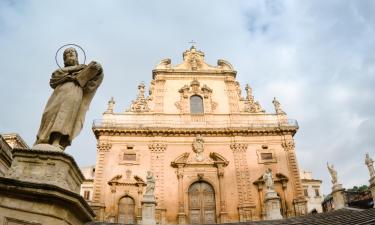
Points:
[(315, 56)]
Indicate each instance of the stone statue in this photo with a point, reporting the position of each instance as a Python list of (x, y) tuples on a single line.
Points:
[(111, 105), (74, 87), (249, 93), (370, 165), (277, 105), (140, 104), (268, 180), (333, 173), (150, 183), (198, 148)]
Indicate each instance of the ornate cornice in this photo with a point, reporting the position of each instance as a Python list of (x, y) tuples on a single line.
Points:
[(211, 132)]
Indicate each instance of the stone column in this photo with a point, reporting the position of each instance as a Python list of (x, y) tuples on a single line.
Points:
[(223, 213), (370, 165), (181, 208)]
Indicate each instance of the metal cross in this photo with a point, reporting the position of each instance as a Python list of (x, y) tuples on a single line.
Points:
[(192, 42)]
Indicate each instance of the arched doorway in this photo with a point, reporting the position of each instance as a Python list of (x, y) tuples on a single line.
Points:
[(202, 203), (126, 210)]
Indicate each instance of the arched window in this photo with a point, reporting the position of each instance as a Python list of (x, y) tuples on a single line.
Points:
[(196, 104)]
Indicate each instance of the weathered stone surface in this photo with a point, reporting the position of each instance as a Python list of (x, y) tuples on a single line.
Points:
[(41, 204), (46, 167)]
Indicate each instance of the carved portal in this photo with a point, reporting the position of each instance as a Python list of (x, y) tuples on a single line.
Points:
[(195, 89), (194, 177)]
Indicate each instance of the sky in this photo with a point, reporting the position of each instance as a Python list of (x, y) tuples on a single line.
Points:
[(317, 57)]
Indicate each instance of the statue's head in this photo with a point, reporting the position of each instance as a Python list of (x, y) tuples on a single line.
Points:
[(70, 57)]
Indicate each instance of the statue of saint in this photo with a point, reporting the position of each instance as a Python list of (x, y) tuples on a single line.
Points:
[(198, 148), (370, 165), (277, 106), (150, 183), (268, 180), (74, 87), (333, 173)]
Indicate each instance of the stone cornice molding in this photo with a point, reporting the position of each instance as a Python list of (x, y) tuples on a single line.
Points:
[(212, 132)]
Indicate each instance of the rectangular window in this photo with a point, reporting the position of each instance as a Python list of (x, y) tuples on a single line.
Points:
[(130, 157), (266, 156), (305, 192), (86, 195), (317, 193)]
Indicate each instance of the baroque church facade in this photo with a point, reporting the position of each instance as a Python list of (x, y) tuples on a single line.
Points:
[(206, 144)]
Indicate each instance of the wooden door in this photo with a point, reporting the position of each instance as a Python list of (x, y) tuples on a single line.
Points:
[(202, 203), (126, 210)]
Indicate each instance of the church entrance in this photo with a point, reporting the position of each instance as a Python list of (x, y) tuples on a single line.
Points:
[(126, 210), (202, 203)]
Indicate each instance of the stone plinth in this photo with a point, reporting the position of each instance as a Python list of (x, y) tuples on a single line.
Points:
[(46, 167), (148, 210), (35, 203), (42, 187), (272, 205), (338, 196)]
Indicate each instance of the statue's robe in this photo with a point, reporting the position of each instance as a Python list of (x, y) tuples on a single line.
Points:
[(74, 87)]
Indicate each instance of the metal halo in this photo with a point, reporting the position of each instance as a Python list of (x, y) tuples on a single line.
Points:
[(84, 53)]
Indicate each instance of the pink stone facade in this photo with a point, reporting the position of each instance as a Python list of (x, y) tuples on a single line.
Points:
[(217, 180)]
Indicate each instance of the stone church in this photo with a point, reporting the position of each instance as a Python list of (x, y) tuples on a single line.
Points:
[(207, 145)]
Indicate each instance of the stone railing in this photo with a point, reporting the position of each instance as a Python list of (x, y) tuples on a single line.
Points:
[(193, 121)]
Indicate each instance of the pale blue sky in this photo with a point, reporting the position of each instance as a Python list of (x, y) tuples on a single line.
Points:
[(316, 56)]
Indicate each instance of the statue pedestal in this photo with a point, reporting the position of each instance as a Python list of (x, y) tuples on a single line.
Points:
[(338, 196), (42, 187), (148, 210), (272, 205)]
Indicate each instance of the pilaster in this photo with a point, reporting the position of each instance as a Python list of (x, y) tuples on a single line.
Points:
[(246, 206)]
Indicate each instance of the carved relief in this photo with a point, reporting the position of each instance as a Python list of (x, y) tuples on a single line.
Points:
[(251, 105), (141, 103)]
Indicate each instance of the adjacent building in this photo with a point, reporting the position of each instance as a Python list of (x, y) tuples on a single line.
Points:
[(312, 192), (207, 144)]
